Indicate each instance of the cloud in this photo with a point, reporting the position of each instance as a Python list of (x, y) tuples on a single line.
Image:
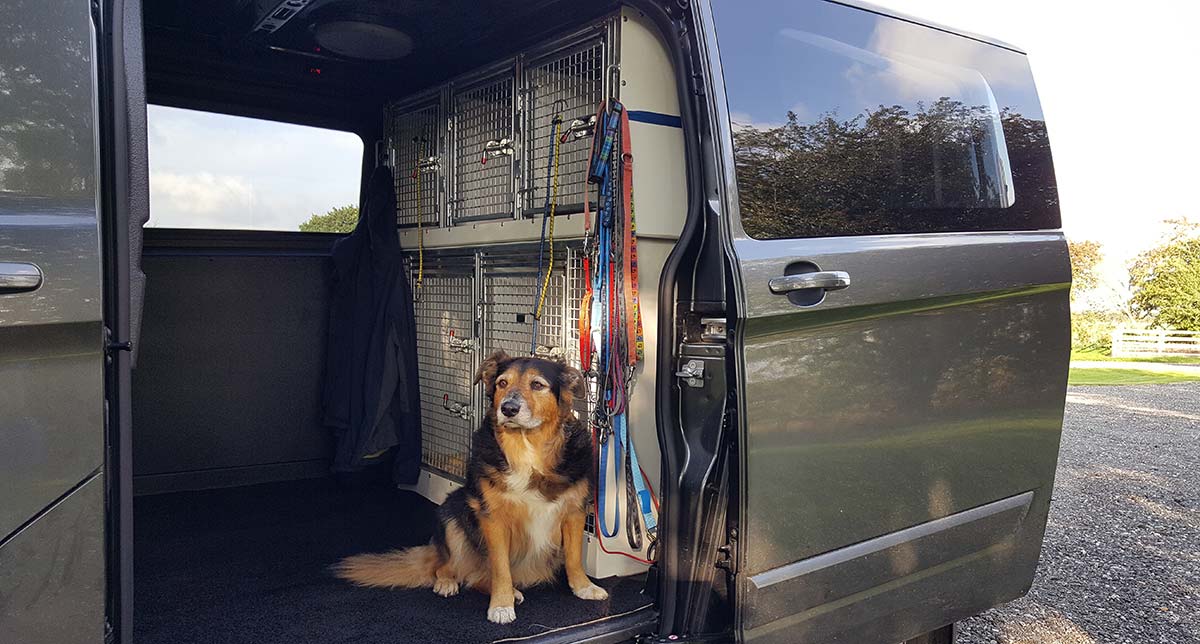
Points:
[(217, 171), (175, 195)]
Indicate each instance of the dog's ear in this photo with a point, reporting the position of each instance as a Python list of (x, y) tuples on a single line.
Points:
[(572, 385), (490, 369)]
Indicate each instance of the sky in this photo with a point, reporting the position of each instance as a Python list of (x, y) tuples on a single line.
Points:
[(218, 171), (1101, 68)]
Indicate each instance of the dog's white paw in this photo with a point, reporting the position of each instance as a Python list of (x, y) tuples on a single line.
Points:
[(518, 597), (591, 591), (445, 587), (502, 614)]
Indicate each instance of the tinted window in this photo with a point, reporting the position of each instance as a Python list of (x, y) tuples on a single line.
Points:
[(217, 171), (846, 122)]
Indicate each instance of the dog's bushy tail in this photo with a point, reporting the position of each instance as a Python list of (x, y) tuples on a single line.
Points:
[(408, 568)]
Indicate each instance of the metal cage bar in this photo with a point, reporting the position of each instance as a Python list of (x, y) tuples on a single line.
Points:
[(510, 289), (445, 329), (484, 144), (415, 152), (568, 84)]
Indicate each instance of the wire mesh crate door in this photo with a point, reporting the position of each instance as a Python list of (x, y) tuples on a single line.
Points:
[(444, 319), (414, 141), (510, 297), (569, 84), (483, 147)]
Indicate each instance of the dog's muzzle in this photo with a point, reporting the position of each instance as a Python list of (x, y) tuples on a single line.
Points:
[(510, 407)]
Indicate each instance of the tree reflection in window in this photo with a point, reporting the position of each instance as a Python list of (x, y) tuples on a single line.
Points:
[(938, 167)]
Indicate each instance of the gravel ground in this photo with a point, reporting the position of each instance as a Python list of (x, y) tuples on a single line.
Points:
[(1121, 561)]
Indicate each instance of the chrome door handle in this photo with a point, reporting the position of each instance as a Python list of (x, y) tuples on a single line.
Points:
[(828, 280), (18, 277)]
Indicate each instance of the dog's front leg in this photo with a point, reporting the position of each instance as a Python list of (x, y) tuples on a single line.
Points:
[(572, 535), (502, 609)]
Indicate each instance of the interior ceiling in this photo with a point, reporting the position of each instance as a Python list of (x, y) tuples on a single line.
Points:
[(207, 55)]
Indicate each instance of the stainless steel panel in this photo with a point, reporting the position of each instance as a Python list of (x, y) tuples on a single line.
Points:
[(52, 573), (446, 341), (482, 113), (415, 151), (568, 84)]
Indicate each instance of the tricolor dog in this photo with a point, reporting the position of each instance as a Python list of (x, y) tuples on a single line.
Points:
[(519, 518)]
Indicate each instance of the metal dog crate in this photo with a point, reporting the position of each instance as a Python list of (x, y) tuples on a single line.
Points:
[(494, 291), (445, 330), (415, 144), (483, 141), (569, 84), (483, 117), (510, 292)]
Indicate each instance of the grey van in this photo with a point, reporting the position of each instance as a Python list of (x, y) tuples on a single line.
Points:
[(853, 283)]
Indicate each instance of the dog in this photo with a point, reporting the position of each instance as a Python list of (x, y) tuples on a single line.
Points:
[(519, 518)]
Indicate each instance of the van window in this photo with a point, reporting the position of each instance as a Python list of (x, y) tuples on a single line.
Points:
[(222, 172), (847, 122)]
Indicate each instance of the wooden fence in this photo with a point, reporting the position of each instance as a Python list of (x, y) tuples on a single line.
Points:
[(1131, 343)]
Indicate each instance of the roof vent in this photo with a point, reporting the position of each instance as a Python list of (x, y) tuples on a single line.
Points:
[(363, 40)]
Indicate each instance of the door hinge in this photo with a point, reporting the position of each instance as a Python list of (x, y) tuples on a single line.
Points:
[(727, 554)]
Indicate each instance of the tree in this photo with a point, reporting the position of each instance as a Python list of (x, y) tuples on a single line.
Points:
[(1085, 258), (1165, 280), (342, 219)]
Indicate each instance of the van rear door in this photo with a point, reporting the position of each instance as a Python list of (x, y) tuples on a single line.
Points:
[(902, 318)]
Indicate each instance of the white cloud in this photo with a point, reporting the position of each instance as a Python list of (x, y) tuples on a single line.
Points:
[(174, 195), (217, 171)]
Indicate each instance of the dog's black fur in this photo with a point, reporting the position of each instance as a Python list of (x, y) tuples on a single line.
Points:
[(576, 462)]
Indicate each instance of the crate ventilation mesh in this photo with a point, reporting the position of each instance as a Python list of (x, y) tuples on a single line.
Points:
[(570, 84), (492, 291), (484, 144), (415, 144)]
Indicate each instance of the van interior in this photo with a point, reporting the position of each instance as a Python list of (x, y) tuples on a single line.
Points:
[(237, 517)]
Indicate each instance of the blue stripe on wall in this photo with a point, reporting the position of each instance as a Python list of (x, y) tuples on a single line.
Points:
[(655, 118)]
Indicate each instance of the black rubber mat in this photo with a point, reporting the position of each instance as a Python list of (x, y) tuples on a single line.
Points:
[(250, 564)]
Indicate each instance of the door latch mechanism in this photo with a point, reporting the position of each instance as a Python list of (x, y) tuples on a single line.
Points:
[(692, 373), (462, 410)]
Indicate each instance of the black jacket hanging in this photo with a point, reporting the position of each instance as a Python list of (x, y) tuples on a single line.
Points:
[(371, 397)]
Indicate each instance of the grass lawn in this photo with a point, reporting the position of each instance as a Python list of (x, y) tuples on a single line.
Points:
[(1097, 354), (1125, 377)]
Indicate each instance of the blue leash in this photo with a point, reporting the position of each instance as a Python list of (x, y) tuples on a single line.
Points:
[(610, 349)]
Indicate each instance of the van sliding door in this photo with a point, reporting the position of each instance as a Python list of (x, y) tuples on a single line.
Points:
[(52, 487), (902, 319)]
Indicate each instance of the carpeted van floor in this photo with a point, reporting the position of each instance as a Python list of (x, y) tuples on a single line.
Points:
[(250, 565)]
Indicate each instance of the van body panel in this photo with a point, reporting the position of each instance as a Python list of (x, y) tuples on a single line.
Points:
[(900, 431), (52, 573), (51, 338)]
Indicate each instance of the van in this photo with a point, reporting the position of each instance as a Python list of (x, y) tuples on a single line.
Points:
[(845, 397)]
